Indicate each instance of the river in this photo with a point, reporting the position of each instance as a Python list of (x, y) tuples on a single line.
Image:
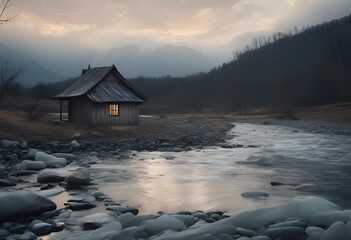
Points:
[(215, 178)]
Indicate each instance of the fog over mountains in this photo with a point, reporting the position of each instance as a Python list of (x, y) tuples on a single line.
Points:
[(148, 60)]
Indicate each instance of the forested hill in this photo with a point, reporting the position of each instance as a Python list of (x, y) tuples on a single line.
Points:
[(293, 69)]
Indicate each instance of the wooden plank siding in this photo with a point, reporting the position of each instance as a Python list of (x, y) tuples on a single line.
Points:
[(128, 114), (82, 110)]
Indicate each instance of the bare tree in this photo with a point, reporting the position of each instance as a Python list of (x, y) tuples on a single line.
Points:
[(5, 14), (8, 77)]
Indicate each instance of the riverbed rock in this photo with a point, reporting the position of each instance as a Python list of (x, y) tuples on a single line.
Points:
[(338, 230), (78, 178), (163, 223), (285, 233), (69, 157), (24, 145), (27, 236), (48, 176), (41, 229), (23, 203), (6, 183), (50, 160), (108, 231), (126, 219), (74, 143), (32, 152), (77, 206), (312, 230), (33, 165), (254, 195), (328, 218), (98, 218), (8, 143), (290, 223), (299, 208)]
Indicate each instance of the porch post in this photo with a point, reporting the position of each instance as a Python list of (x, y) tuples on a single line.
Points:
[(61, 110), (69, 110)]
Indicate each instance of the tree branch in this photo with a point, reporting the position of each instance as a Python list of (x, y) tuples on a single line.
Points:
[(5, 16)]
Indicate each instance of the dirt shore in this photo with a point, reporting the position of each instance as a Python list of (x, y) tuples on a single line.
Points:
[(15, 125)]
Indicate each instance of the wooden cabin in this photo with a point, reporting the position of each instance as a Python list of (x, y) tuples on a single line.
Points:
[(102, 96)]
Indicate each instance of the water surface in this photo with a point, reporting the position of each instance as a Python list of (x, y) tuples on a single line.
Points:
[(215, 177)]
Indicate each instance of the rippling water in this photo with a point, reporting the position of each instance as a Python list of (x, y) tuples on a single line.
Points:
[(215, 178)]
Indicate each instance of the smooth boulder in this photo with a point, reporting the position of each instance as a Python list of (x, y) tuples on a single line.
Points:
[(47, 176), (32, 165), (50, 160), (78, 178), (23, 203)]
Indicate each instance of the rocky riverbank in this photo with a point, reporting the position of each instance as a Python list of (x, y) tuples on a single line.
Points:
[(34, 172)]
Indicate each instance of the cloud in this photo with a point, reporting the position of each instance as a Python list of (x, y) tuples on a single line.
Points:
[(108, 23)]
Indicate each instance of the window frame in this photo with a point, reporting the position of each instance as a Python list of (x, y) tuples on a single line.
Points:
[(114, 109)]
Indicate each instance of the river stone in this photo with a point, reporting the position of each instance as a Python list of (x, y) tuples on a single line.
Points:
[(41, 229), (91, 225), (245, 232), (32, 152), (163, 223), (200, 215), (24, 145), (64, 214), (27, 236), (188, 220), (50, 161), (285, 233), (263, 237), (6, 183), (108, 231), (312, 229), (77, 206), (24, 172), (135, 211), (3, 233), (69, 157), (292, 223), (23, 203), (97, 218), (18, 229), (254, 194), (329, 218), (47, 176), (33, 165), (275, 183), (74, 143), (7, 143), (338, 230), (80, 177), (126, 219)]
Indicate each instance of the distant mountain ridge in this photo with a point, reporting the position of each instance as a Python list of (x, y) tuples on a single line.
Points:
[(134, 60), (33, 73), (156, 60)]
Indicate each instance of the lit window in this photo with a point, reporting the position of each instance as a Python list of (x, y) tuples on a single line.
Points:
[(114, 110)]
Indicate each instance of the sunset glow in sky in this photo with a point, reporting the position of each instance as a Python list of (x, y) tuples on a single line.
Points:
[(103, 24)]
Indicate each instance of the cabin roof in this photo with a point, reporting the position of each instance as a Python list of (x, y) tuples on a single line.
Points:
[(112, 91), (90, 83)]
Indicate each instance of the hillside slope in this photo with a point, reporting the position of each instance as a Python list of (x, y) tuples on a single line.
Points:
[(307, 68)]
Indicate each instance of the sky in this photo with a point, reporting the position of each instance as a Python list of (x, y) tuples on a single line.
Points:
[(67, 25)]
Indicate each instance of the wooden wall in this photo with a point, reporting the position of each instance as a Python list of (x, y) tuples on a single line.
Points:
[(82, 110), (128, 114)]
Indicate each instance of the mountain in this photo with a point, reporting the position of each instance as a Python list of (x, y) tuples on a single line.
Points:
[(311, 67), (155, 59), (33, 71)]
